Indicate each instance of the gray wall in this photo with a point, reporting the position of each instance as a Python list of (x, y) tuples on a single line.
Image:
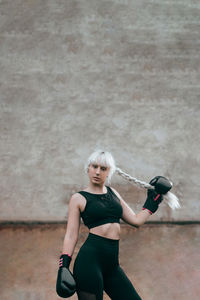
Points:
[(77, 75)]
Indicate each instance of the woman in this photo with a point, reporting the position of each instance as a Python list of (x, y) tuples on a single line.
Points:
[(96, 267)]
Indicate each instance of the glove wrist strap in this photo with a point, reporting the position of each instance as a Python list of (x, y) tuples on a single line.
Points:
[(144, 208), (64, 261)]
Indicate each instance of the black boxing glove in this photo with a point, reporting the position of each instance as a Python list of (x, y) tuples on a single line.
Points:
[(162, 184), (154, 197), (152, 202), (65, 285)]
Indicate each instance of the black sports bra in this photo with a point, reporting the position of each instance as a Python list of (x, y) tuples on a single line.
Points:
[(101, 208)]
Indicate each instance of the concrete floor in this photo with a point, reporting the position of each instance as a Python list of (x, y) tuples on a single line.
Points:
[(162, 261)]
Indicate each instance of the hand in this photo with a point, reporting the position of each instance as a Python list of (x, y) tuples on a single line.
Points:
[(65, 285), (162, 184), (152, 202), (155, 197)]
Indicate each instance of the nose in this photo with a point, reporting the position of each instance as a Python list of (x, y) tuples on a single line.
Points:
[(98, 170)]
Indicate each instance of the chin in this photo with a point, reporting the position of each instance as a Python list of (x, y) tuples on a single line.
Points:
[(96, 182)]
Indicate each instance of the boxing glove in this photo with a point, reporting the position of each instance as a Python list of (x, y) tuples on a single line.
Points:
[(155, 197), (65, 285), (162, 184)]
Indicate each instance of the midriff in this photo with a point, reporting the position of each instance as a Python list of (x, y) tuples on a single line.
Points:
[(109, 230)]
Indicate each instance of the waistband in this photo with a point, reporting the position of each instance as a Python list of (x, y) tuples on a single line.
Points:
[(102, 239)]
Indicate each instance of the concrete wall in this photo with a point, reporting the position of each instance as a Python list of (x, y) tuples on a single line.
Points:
[(160, 260), (76, 75), (81, 74)]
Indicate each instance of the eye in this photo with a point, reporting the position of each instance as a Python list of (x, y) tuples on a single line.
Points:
[(103, 168), (95, 166)]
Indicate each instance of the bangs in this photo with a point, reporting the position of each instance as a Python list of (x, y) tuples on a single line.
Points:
[(101, 159), (104, 159)]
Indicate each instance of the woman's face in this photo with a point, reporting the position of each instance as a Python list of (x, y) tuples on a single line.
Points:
[(98, 173)]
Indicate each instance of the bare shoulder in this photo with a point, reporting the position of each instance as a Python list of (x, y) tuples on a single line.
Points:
[(77, 200)]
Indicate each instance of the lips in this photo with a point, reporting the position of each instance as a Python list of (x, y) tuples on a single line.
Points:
[(96, 178)]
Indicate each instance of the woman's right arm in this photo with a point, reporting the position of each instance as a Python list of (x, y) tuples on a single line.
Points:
[(73, 224)]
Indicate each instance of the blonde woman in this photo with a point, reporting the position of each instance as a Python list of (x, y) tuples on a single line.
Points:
[(96, 267)]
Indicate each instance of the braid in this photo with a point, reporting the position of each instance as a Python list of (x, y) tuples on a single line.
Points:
[(135, 180), (170, 198)]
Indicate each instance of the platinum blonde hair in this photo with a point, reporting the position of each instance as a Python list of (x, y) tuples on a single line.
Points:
[(103, 158), (169, 197)]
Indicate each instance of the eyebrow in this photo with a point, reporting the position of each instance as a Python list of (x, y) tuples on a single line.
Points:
[(102, 166)]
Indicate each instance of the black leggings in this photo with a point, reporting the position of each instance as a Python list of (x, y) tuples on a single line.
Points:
[(96, 269)]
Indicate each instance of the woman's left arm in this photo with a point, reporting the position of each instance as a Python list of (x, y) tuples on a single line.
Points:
[(129, 216)]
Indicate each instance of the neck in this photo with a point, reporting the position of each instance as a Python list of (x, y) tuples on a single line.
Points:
[(96, 188)]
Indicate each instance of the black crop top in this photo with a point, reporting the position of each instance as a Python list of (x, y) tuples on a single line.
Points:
[(101, 208)]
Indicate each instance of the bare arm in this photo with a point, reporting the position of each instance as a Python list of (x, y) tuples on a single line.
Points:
[(129, 216), (73, 225)]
